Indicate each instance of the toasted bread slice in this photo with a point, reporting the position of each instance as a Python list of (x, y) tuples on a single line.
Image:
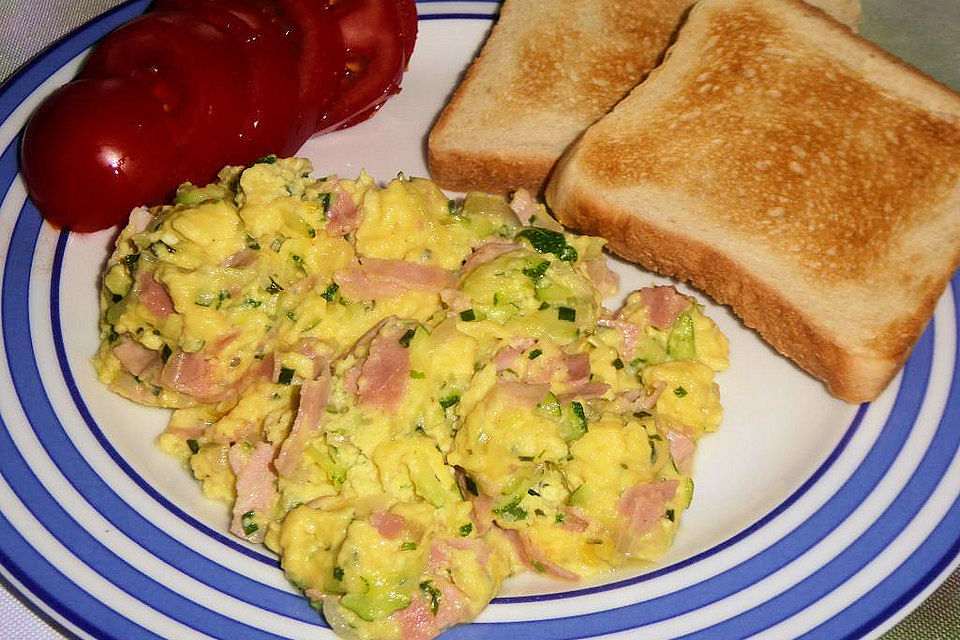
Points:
[(547, 72), (790, 169)]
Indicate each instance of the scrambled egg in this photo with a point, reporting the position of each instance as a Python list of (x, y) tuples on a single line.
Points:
[(408, 398)]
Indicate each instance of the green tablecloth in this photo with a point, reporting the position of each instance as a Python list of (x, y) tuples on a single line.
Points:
[(923, 32)]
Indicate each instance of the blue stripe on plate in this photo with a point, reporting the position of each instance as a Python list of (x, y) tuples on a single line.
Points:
[(571, 627), (36, 405), (861, 551), (72, 603)]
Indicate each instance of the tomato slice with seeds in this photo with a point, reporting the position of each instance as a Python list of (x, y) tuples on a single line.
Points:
[(193, 69), (274, 85), (374, 60), (95, 149)]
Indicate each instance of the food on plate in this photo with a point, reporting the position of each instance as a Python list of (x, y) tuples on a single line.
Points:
[(547, 72), (790, 169), (408, 398), (206, 83)]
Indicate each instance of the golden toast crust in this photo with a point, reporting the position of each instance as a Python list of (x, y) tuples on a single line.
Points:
[(787, 168)]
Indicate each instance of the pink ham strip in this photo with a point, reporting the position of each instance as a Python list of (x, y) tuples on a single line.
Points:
[(377, 278), (344, 216), (134, 357), (585, 391), (314, 395), (639, 400), (573, 520), (664, 305), (606, 281), (523, 205), (578, 375), (578, 367), (506, 356), (682, 447), (439, 557), (242, 258), (186, 433), (629, 332), (533, 558), (254, 484), (524, 395), (485, 253), (189, 373), (385, 372), (154, 295), (418, 622), (643, 505), (388, 524), (455, 299)]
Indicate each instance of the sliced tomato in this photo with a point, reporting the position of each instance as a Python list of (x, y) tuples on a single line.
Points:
[(94, 150), (322, 60), (200, 78), (409, 23), (375, 60), (274, 83)]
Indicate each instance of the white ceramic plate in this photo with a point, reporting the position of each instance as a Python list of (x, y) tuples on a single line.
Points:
[(812, 518)]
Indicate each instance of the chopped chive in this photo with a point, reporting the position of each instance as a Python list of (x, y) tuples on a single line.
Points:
[(249, 526), (330, 292), (526, 458), (337, 573), (273, 287), (312, 232), (131, 260), (544, 305), (193, 445), (407, 337), (408, 546), (567, 313), (267, 159), (448, 401), (465, 530), (286, 376), (165, 353), (679, 392), (252, 243), (468, 315), (618, 364), (559, 518), (417, 375), (670, 515), (251, 303), (536, 353)]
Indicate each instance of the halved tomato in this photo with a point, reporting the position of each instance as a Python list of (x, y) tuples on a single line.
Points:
[(193, 68), (274, 83), (95, 149), (375, 60)]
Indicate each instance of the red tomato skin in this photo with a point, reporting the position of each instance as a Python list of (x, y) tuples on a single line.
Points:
[(94, 150), (322, 62), (375, 60), (200, 79), (409, 24), (274, 83)]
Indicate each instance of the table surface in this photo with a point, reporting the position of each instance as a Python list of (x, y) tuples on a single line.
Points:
[(26, 26)]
